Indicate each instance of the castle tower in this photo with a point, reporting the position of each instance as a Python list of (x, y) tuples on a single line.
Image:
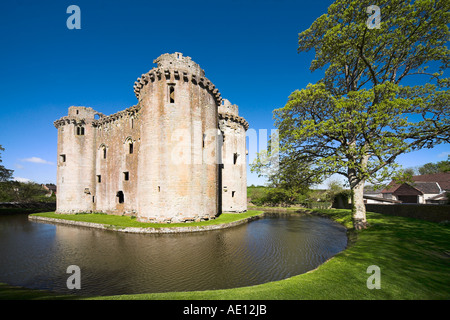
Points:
[(234, 151), (76, 161), (178, 158)]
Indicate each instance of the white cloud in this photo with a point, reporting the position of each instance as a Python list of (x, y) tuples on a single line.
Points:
[(22, 179), (36, 160), (444, 154), (18, 166)]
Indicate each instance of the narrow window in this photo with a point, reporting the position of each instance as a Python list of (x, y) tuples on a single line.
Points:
[(171, 94), (80, 131), (77, 111), (204, 137), (232, 193), (120, 197), (99, 178), (159, 189), (93, 199), (235, 156), (132, 123), (104, 153), (130, 146), (126, 176), (62, 157)]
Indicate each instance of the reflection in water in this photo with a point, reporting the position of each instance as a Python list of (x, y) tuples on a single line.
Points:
[(36, 255)]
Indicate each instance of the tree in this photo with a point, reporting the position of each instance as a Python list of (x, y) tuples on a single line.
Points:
[(358, 118), (21, 191), (5, 174), (430, 168)]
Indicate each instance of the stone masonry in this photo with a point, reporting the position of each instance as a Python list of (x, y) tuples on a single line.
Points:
[(178, 155)]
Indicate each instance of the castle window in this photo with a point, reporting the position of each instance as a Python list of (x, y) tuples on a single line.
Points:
[(80, 131), (171, 94), (130, 147), (235, 156), (99, 178), (126, 176), (62, 157), (120, 197), (232, 193), (104, 153)]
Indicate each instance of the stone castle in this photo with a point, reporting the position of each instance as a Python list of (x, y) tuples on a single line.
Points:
[(178, 155)]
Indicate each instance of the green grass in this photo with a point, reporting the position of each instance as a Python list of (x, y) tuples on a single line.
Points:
[(127, 221), (413, 256)]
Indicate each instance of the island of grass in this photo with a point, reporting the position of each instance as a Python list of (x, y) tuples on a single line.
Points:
[(130, 224), (413, 256)]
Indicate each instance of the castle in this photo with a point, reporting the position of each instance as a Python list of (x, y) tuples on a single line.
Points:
[(178, 155)]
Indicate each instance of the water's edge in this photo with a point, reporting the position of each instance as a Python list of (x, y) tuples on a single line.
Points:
[(147, 230)]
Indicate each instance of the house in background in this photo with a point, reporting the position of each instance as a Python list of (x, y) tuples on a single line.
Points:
[(424, 189), (374, 196), (50, 188)]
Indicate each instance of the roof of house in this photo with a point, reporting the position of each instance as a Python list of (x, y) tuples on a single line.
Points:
[(403, 189), (442, 178), (381, 199), (441, 196), (427, 187), (427, 183), (370, 189)]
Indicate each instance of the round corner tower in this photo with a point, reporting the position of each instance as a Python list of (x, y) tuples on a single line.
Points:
[(76, 159), (233, 155), (178, 157)]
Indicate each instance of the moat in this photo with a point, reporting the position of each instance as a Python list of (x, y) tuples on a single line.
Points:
[(36, 255)]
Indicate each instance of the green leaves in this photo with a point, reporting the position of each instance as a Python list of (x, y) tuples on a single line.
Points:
[(411, 35)]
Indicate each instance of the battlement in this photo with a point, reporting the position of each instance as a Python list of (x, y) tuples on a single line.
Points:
[(78, 116), (227, 107), (178, 61), (234, 118), (230, 112), (131, 111), (175, 67)]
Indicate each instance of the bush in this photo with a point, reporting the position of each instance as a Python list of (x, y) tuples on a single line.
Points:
[(275, 197), (15, 191)]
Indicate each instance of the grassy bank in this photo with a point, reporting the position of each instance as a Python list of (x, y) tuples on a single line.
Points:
[(413, 256), (127, 221)]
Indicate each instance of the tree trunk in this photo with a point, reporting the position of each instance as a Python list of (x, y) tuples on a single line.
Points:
[(358, 206), (356, 180)]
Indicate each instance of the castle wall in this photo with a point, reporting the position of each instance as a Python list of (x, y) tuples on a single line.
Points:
[(117, 163)]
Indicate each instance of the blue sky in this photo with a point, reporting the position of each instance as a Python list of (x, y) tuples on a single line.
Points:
[(248, 49)]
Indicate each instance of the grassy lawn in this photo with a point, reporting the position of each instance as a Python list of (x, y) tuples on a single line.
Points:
[(413, 256), (126, 221)]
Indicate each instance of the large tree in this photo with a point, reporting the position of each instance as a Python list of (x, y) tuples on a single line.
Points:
[(361, 115)]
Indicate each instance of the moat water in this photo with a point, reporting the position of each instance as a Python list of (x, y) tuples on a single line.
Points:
[(36, 255)]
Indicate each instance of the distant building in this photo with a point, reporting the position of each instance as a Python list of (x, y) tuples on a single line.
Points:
[(425, 189), (50, 188)]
